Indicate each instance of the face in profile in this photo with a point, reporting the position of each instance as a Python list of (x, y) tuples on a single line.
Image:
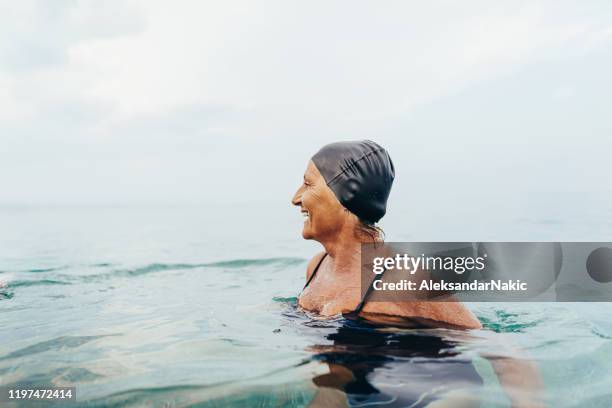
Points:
[(324, 215)]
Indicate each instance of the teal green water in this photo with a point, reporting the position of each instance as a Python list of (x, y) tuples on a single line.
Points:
[(180, 307)]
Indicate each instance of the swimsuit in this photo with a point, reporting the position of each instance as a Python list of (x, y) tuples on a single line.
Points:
[(359, 308), (395, 369)]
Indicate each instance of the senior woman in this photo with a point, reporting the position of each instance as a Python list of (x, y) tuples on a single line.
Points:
[(343, 196)]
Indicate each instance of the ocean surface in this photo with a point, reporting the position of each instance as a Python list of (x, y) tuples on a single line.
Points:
[(196, 306)]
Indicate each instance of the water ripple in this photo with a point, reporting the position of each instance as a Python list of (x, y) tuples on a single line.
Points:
[(53, 344), (161, 267), (28, 283)]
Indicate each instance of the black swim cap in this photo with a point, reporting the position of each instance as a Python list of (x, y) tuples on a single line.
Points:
[(360, 173)]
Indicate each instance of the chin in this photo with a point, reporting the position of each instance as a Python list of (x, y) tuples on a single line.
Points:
[(307, 234)]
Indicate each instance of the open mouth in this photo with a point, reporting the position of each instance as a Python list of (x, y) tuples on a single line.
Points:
[(306, 215)]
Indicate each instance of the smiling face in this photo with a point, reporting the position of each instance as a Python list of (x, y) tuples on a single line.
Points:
[(324, 215)]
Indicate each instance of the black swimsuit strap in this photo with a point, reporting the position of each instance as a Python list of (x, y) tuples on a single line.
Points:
[(364, 299), (314, 272)]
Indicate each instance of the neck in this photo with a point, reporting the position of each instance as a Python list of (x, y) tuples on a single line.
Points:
[(345, 250)]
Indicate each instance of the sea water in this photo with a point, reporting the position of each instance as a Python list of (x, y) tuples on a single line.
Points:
[(180, 306)]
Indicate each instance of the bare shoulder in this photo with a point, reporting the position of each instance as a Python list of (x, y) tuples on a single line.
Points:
[(443, 314), (312, 264), (454, 313), (448, 313)]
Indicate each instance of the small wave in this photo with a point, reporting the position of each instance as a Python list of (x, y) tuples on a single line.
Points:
[(290, 300), (6, 294), (38, 270), (600, 332), (241, 263), (102, 265), (235, 263), (68, 279), (161, 267), (57, 343), (29, 283), (42, 270)]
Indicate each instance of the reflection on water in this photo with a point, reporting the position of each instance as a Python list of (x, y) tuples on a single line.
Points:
[(389, 369), (374, 366)]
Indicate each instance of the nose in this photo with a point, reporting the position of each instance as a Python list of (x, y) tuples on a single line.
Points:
[(297, 197)]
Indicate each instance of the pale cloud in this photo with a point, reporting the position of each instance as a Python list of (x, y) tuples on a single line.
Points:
[(352, 59), (147, 100), (38, 34), (356, 60)]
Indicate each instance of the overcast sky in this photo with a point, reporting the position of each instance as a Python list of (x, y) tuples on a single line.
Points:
[(480, 103)]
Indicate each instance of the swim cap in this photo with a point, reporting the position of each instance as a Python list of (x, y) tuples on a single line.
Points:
[(360, 173)]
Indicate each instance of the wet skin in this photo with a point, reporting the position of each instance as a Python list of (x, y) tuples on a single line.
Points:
[(337, 286)]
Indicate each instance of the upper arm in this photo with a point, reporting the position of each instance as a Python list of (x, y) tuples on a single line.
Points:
[(450, 312), (434, 314), (314, 261)]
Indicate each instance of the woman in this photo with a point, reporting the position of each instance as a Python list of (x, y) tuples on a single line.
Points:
[(344, 194)]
